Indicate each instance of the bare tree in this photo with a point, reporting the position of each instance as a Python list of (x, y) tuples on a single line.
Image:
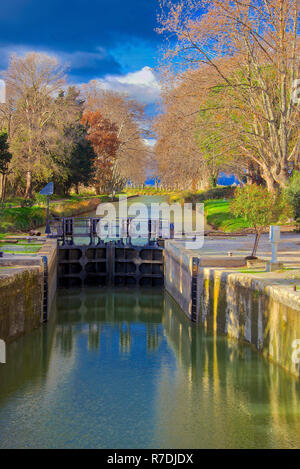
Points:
[(33, 83), (189, 152), (128, 115), (249, 51)]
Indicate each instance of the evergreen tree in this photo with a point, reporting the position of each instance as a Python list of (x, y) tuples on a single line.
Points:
[(75, 159), (5, 157)]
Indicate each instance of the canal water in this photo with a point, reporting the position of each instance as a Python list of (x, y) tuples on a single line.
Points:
[(126, 369)]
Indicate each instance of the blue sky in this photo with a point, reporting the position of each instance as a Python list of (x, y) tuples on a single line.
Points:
[(110, 40)]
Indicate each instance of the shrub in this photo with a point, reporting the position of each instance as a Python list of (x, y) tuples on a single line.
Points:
[(22, 218), (297, 227), (217, 193), (40, 200), (293, 193), (259, 208), (27, 202)]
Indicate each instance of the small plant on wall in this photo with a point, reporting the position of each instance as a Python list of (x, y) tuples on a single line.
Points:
[(260, 208), (293, 196)]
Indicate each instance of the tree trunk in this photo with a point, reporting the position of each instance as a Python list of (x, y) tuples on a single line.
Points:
[(254, 176), (270, 181), (1, 186), (28, 191), (281, 176), (4, 184), (213, 182), (257, 238), (98, 189), (250, 173)]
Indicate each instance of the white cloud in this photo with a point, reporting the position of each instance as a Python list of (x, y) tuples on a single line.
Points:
[(141, 85), (2, 91)]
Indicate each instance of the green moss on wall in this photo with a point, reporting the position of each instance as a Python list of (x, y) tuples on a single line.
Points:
[(237, 307), (21, 300)]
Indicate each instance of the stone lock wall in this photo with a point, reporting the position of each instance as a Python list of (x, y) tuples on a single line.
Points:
[(245, 309), (237, 305), (178, 275), (27, 290), (21, 302), (50, 251)]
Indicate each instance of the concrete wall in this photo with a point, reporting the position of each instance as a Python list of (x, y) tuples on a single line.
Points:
[(238, 305), (21, 301), (49, 250), (22, 291), (178, 272), (178, 275)]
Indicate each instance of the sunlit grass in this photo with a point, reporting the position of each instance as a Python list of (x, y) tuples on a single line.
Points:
[(24, 219), (23, 251), (22, 247), (218, 215), (249, 271)]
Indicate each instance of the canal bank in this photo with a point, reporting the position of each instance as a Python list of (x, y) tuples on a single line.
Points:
[(18, 219), (259, 308), (27, 289)]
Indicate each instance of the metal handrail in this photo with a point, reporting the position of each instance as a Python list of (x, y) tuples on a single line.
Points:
[(117, 228)]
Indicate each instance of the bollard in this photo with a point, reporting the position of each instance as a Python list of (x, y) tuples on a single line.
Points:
[(274, 237), (2, 351), (172, 230)]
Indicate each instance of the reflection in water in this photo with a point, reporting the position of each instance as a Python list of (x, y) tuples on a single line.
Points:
[(124, 368), (125, 337), (240, 399)]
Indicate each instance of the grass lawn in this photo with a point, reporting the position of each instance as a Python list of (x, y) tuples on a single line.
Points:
[(218, 215), (32, 250), (249, 271), (21, 218), (146, 191)]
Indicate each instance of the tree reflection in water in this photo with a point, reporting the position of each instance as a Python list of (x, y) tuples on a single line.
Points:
[(125, 368)]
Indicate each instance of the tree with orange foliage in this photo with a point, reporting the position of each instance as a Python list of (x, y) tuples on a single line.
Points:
[(132, 156), (103, 136)]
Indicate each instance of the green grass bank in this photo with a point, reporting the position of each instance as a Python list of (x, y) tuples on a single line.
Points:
[(14, 218)]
